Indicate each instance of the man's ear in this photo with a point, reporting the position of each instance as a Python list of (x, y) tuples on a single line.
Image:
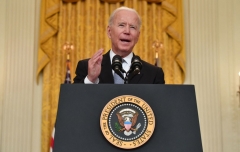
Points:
[(138, 36), (109, 32)]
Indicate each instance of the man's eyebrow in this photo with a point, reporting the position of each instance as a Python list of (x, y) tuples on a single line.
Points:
[(121, 22)]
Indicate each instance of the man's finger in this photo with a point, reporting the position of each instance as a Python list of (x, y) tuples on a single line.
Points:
[(97, 54)]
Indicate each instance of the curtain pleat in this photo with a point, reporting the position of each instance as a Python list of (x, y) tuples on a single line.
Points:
[(83, 24)]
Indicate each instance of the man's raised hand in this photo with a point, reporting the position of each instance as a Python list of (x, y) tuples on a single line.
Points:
[(94, 66)]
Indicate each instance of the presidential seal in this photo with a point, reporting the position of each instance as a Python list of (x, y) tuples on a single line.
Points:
[(127, 122)]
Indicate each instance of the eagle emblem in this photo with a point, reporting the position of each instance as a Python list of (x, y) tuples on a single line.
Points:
[(127, 119)]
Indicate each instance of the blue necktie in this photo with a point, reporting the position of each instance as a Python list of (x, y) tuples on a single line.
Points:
[(118, 79)]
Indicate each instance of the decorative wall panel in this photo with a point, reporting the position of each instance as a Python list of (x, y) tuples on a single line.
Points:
[(17, 103), (213, 62)]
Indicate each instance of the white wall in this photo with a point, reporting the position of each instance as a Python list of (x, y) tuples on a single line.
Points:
[(229, 66), (20, 96), (213, 63), (2, 61)]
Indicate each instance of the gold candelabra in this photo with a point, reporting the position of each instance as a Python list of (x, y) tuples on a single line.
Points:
[(68, 47), (157, 46)]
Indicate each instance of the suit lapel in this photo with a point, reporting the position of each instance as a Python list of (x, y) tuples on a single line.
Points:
[(106, 75), (136, 78)]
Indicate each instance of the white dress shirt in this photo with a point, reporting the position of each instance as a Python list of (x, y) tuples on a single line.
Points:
[(126, 66)]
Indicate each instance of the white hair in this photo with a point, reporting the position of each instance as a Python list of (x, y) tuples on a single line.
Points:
[(110, 21)]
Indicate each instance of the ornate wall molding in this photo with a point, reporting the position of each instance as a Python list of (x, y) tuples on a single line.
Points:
[(117, 1), (70, 1), (154, 1), (112, 1)]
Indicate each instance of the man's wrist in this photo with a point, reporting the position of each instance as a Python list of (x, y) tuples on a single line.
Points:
[(87, 81)]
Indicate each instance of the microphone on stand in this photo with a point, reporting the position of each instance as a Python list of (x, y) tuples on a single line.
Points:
[(117, 65), (135, 68), (136, 65)]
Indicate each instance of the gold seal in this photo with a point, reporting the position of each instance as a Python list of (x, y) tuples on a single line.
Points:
[(127, 122)]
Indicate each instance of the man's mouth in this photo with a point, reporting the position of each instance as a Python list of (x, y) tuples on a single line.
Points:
[(125, 40)]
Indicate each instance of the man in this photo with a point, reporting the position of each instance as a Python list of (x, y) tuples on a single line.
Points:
[(123, 30)]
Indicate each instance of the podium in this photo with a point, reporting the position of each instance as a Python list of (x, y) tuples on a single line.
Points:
[(77, 126)]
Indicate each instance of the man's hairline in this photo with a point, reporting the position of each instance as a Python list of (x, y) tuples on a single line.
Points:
[(111, 18)]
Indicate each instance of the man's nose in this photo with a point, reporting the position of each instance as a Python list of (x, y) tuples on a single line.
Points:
[(127, 30)]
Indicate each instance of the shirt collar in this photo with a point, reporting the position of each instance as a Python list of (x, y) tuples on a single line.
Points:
[(127, 59)]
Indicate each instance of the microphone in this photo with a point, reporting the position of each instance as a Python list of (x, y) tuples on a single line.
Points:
[(136, 65), (117, 65), (135, 68)]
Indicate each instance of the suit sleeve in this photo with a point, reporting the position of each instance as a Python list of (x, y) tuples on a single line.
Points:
[(153, 73), (159, 77), (81, 71)]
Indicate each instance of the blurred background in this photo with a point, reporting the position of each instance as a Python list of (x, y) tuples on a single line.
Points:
[(209, 60)]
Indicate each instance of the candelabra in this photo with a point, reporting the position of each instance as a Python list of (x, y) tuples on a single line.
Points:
[(157, 46), (68, 47)]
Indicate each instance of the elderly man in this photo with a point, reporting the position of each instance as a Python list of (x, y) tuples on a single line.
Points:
[(123, 30)]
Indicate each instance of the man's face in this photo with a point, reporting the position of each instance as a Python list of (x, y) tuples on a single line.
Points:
[(124, 32)]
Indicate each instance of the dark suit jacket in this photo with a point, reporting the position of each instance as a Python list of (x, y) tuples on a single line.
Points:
[(149, 74)]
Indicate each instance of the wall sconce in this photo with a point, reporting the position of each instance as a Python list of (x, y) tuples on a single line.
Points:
[(238, 92)]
